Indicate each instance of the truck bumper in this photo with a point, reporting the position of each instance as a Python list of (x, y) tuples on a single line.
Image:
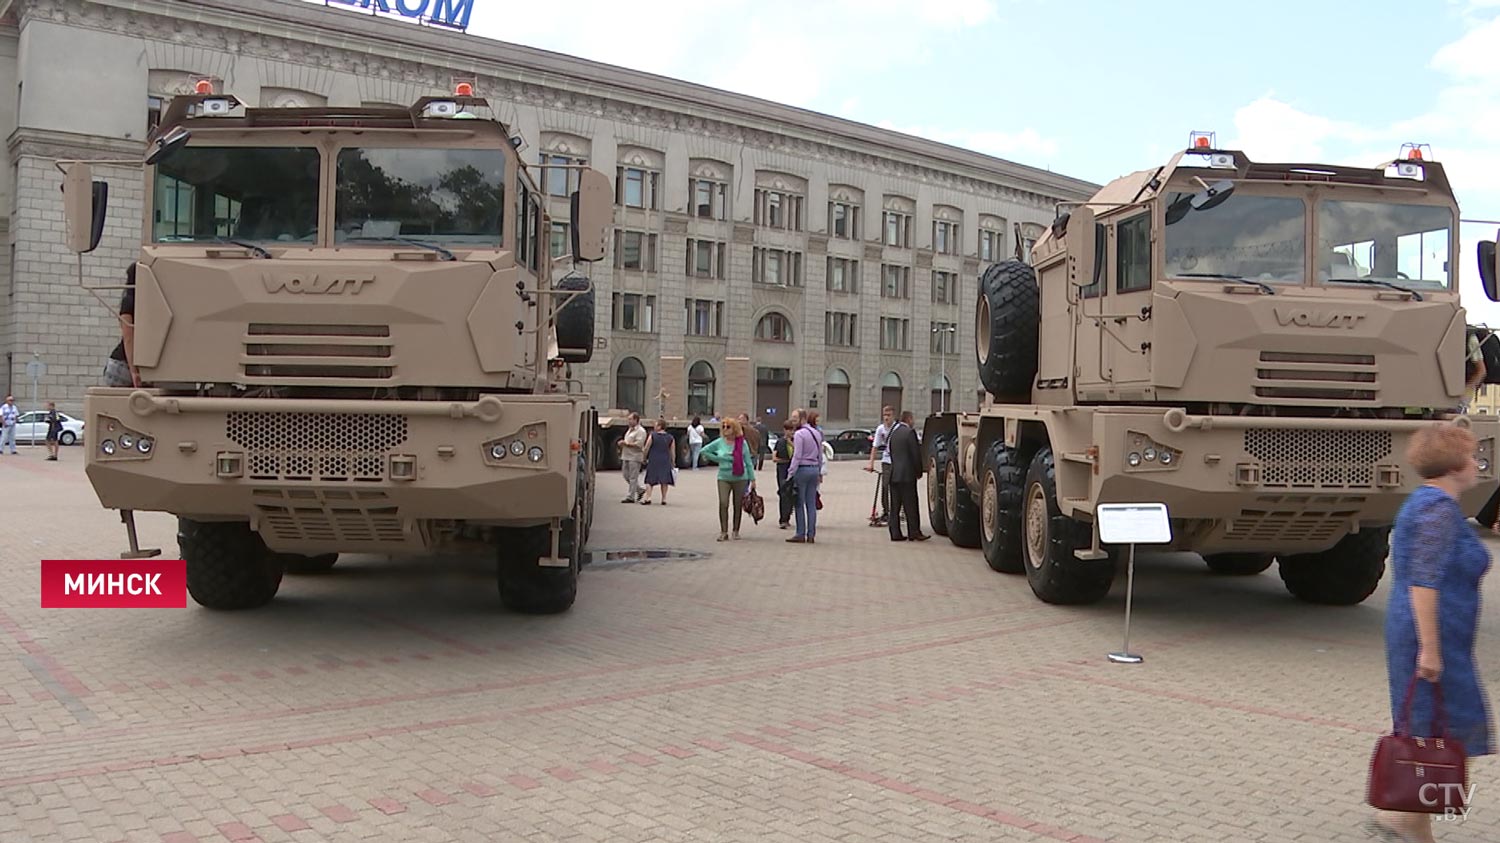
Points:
[(336, 475), (1263, 484)]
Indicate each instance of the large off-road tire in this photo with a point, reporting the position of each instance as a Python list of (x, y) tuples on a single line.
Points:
[(228, 565), (1342, 575), (532, 589), (609, 448), (1055, 574), (297, 563), (1001, 478), (937, 468), (961, 512), (575, 321), (1239, 564), (1007, 324)]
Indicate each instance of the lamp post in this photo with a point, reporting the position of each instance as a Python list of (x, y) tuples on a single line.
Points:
[(943, 359)]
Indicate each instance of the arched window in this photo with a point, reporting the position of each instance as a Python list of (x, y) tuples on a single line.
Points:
[(838, 394), (630, 385), (774, 327), (700, 397), (890, 391), (941, 394)]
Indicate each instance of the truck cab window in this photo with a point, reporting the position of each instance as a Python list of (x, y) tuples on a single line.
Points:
[(1133, 254), (1403, 244), (1261, 238), (236, 192), (1101, 249), (450, 196)]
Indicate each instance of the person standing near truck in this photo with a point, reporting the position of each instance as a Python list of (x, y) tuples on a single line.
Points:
[(880, 451), (632, 455), (695, 441), (54, 429)]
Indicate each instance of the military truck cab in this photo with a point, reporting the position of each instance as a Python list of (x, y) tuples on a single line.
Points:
[(1250, 343)]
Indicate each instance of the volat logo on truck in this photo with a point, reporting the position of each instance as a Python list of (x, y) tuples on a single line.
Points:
[(313, 283), (1318, 318)]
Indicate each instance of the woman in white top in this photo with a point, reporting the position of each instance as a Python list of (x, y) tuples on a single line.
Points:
[(695, 439)]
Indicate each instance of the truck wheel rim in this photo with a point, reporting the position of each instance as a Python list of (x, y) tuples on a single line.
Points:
[(950, 496), (989, 507), (932, 488), (982, 328), (1036, 526)]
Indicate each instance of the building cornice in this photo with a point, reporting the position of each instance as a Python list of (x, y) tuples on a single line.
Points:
[(297, 32), (46, 143)]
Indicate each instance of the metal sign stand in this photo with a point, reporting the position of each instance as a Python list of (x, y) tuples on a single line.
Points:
[(1131, 524), (35, 369)]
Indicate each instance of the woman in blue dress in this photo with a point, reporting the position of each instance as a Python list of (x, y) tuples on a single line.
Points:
[(661, 450), (1437, 566)]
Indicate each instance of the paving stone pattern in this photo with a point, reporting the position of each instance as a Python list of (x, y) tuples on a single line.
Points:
[(852, 690)]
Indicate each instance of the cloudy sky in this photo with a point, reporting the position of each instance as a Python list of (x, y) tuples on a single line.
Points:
[(1091, 88)]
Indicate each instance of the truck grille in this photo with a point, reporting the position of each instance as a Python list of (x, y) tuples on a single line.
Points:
[(316, 446), (1323, 458), (1297, 376), (314, 353), (1294, 518), (345, 518)]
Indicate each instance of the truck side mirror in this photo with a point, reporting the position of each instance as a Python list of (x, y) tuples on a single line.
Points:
[(85, 205), (1489, 268), (592, 213), (1082, 247)]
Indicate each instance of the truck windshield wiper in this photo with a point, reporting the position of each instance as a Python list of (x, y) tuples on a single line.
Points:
[(1240, 279), (258, 251), (447, 255), (1376, 281)]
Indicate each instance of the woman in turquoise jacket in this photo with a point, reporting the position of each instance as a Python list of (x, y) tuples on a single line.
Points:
[(732, 452)]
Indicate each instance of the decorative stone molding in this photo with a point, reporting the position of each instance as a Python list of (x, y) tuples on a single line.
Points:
[(846, 193), (990, 222), (674, 224), (572, 146), (290, 98), (646, 159), (44, 143), (947, 213), (817, 245), (899, 204), (784, 182), (708, 168)]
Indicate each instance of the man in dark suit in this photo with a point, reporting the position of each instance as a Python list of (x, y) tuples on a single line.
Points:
[(906, 469)]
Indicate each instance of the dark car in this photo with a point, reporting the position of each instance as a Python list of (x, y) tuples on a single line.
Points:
[(855, 441)]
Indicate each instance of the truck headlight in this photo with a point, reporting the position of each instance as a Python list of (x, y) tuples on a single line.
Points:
[(119, 442), (497, 450), (107, 447), (518, 447), (1142, 453), (1133, 460), (535, 454), (145, 445)]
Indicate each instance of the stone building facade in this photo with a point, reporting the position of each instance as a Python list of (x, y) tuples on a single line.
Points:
[(838, 258)]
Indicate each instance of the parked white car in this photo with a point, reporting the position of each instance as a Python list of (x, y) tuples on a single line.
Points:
[(32, 427)]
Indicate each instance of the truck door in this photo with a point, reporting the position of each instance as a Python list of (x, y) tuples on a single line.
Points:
[(1129, 360), (1089, 343)]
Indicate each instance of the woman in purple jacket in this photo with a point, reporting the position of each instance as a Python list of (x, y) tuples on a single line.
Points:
[(806, 470)]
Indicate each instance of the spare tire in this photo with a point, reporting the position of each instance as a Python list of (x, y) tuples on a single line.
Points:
[(1007, 325), (575, 321)]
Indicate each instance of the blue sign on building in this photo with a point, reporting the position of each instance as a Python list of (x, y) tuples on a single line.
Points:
[(454, 13)]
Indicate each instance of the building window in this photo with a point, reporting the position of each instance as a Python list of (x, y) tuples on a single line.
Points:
[(635, 250), (1133, 254), (838, 394), (1027, 243), (944, 338), (941, 389), (991, 245), (700, 396), (774, 327), (777, 267), (895, 281), (635, 312), (705, 318), (630, 385), (843, 221), (897, 229), (710, 199), (557, 181), (841, 329), (843, 275), (890, 391), (561, 245), (705, 259), (945, 237), (637, 188), (944, 287), (895, 334), (778, 209), (154, 108)]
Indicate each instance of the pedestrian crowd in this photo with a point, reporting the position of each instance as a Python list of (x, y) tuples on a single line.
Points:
[(801, 457)]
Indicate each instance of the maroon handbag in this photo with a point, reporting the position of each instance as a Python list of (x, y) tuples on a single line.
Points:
[(1427, 775)]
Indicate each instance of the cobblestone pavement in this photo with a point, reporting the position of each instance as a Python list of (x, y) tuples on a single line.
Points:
[(853, 690)]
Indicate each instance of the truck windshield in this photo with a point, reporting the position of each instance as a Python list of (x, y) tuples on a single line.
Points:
[(454, 196), (212, 193), (1261, 238), (1402, 244)]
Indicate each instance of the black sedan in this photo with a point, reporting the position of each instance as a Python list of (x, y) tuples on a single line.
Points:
[(855, 441)]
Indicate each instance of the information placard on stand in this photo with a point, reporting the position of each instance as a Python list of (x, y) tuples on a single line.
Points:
[(1131, 524)]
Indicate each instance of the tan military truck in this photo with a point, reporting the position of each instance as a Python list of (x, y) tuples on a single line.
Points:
[(349, 340), (1251, 344)]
